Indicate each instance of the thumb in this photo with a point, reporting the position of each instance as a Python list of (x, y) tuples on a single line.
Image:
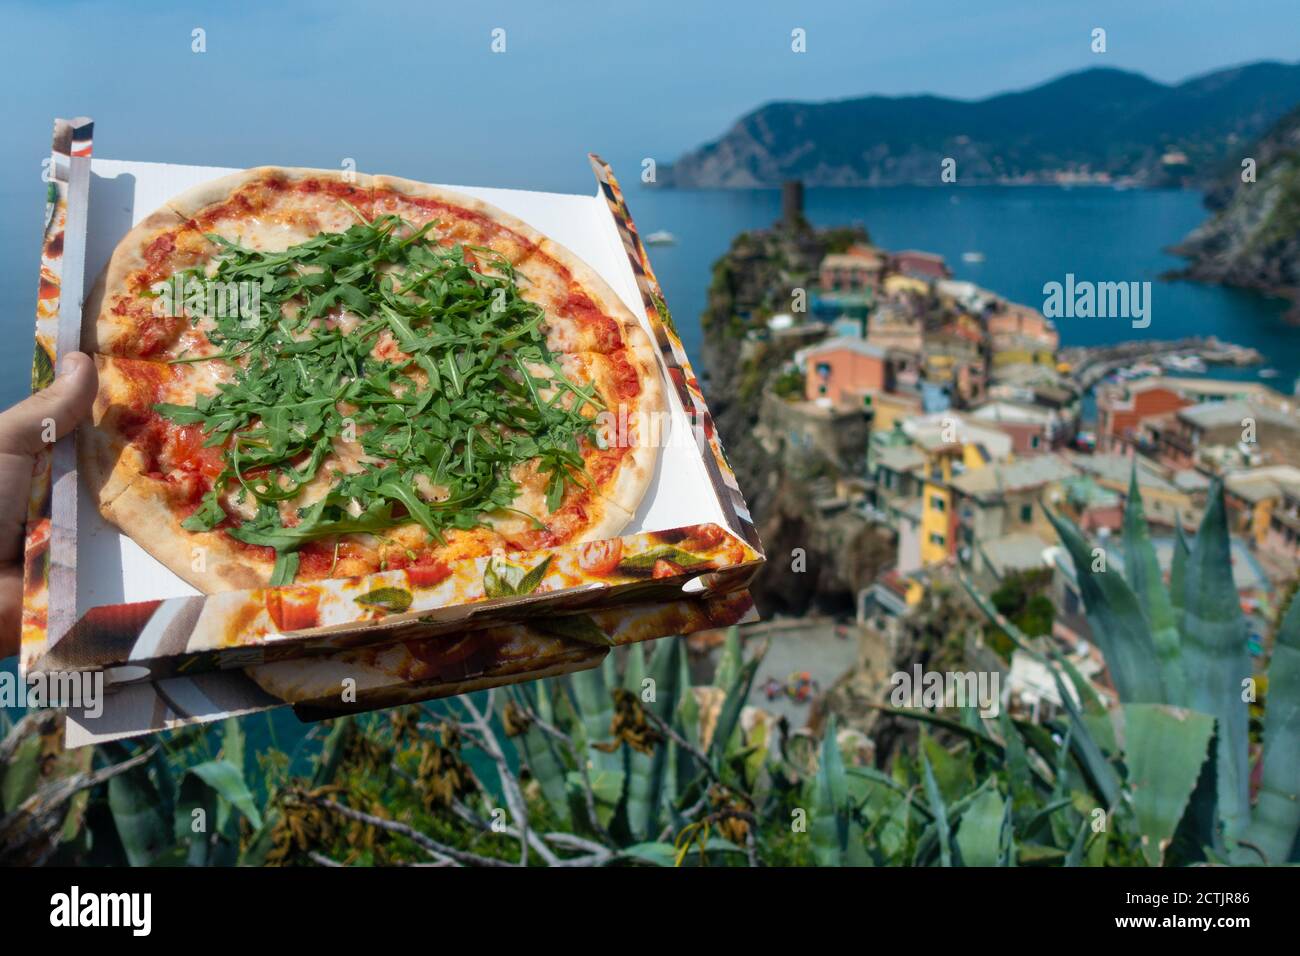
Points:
[(64, 404)]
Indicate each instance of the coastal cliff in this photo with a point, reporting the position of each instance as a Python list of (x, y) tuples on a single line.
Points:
[(818, 557), (1253, 238)]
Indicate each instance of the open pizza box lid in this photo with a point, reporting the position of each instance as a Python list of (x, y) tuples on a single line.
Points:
[(96, 601)]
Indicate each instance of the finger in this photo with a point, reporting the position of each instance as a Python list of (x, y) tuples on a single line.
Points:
[(52, 412), (11, 601)]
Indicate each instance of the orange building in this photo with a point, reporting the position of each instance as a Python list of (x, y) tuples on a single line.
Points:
[(843, 369), (1122, 409), (1010, 320)]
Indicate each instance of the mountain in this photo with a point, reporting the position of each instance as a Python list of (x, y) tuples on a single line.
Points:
[(1253, 238), (1118, 124)]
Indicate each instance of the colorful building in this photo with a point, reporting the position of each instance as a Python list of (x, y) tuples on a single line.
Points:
[(843, 370), (953, 446), (1255, 495), (921, 265), (859, 269)]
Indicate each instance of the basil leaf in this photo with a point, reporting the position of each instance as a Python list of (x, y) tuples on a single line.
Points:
[(573, 627), (530, 581), (391, 600)]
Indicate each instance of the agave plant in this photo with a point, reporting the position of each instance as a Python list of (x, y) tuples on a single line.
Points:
[(677, 781), (1174, 758), (169, 808)]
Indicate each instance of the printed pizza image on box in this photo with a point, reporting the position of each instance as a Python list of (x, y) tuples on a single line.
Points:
[(347, 421)]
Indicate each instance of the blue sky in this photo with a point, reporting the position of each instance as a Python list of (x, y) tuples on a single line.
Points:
[(413, 89)]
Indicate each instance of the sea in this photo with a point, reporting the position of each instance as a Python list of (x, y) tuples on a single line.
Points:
[(1025, 236)]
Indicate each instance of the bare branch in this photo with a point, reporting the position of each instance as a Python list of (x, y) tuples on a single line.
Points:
[(509, 785), (589, 795), (663, 727), (432, 847)]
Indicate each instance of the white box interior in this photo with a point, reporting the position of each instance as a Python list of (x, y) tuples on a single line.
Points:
[(113, 569)]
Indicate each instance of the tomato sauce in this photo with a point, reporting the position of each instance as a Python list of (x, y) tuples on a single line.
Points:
[(627, 384), (603, 331)]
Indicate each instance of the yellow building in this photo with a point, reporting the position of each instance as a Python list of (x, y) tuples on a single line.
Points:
[(896, 284), (937, 522), (1256, 492), (952, 445), (889, 409)]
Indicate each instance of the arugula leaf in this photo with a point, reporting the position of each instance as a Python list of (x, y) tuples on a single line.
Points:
[(426, 355), (207, 516), (286, 566)]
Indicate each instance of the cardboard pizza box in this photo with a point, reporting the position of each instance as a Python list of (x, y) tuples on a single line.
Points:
[(372, 678), (94, 600)]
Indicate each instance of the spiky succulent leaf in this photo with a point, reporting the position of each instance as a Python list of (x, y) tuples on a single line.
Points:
[(829, 828), (729, 716), (540, 751), (1216, 659), (953, 772), (591, 697), (1143, 571), (686, 721), (1178, 575), (729, 660), (1092, 760), (1095, 714), (1277, 807), (1020, 778), (665, 671), (641, 798), (939, 811), (1164, 748), (595, 706), (1115, 619), (980, 839)]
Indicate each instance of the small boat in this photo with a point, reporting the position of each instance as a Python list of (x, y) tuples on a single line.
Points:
[(661, 238), (1184, 363), (1268, 373), (972, 257)]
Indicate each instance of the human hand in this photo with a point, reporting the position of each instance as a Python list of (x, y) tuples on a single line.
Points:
[(66, 402)]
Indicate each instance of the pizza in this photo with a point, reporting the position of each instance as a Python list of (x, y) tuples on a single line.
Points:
[(307, 374)]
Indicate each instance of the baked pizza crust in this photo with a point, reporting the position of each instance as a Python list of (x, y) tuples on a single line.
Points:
[(597, 289), (637, 471), (208, 560), (380, 185), (190, 203), (105, 333)]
